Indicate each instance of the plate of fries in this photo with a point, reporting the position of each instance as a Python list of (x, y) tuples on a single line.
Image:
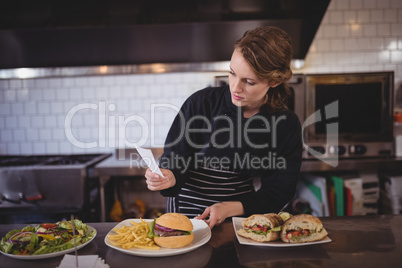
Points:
[(131, 237)]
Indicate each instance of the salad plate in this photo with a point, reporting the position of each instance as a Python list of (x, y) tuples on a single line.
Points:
[(201, 231), (278, 243), (54, 254)]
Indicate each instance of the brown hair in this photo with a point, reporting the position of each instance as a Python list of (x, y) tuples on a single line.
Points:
[(269, 52)]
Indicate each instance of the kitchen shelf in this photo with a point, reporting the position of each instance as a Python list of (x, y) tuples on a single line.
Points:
[(394, 163)]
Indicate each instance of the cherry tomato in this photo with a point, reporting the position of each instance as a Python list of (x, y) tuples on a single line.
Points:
[(48, 225)]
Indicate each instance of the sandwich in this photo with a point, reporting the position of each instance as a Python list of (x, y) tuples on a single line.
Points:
[(172, 230), (262, 227), (303, 228)]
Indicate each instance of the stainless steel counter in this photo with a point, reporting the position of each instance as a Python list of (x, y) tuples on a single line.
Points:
[(357, 241)]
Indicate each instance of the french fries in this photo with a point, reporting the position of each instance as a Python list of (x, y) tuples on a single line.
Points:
[(135, 236)]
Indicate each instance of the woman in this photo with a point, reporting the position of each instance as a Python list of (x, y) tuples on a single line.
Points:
[(224, 137)]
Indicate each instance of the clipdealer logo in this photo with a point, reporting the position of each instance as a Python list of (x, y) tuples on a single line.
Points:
[(112, 129), (330, 112), (117, 124)]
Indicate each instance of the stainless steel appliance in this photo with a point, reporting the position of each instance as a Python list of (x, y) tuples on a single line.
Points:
[(343, 115), (349, 115), (45, 186)]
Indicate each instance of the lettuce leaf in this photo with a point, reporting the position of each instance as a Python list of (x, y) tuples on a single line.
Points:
[(7, 246), (50, 249), (78, 225), (151, 233), (33, 243)]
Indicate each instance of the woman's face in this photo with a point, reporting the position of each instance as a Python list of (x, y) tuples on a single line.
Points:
[(247, 90)]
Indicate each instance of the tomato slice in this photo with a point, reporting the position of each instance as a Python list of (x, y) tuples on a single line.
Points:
[(258, 229), (290, 234), (48, 225)]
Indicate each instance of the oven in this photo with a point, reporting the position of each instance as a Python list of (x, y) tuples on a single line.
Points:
[(47, 187)]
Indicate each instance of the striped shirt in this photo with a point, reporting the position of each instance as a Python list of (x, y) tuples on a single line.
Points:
[(205, 187)]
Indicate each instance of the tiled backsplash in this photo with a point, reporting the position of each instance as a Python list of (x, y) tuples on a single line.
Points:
[(359, 36), (106, 112), (91, 114)]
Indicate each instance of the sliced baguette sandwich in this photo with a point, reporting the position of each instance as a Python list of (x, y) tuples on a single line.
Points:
[(303, 228), (262, 227)]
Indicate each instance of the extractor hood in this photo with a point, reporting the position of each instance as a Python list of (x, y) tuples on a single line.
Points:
[(82, 33)]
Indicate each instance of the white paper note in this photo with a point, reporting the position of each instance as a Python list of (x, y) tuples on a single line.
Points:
[(93, 261), (149, 160)]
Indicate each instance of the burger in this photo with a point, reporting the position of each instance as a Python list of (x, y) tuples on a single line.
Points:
[(172, 230)]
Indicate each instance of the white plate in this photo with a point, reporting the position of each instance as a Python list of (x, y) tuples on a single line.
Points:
[(51, 255), (202, 234), (278, 243)]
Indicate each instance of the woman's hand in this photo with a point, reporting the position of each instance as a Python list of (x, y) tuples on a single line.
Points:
[(220, 211), (157, 183)]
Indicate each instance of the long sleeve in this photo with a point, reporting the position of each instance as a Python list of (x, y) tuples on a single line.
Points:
[(182, 143), (278, 184)]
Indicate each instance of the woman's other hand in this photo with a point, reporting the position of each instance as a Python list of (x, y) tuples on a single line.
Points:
[(218, 212), (156, 183)]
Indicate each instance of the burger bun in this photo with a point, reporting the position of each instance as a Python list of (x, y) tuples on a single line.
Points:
[(175, 221), (174, 241)]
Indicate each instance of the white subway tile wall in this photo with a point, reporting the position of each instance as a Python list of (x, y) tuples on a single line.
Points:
[(358, 36), (92, 114), (100, 113)]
